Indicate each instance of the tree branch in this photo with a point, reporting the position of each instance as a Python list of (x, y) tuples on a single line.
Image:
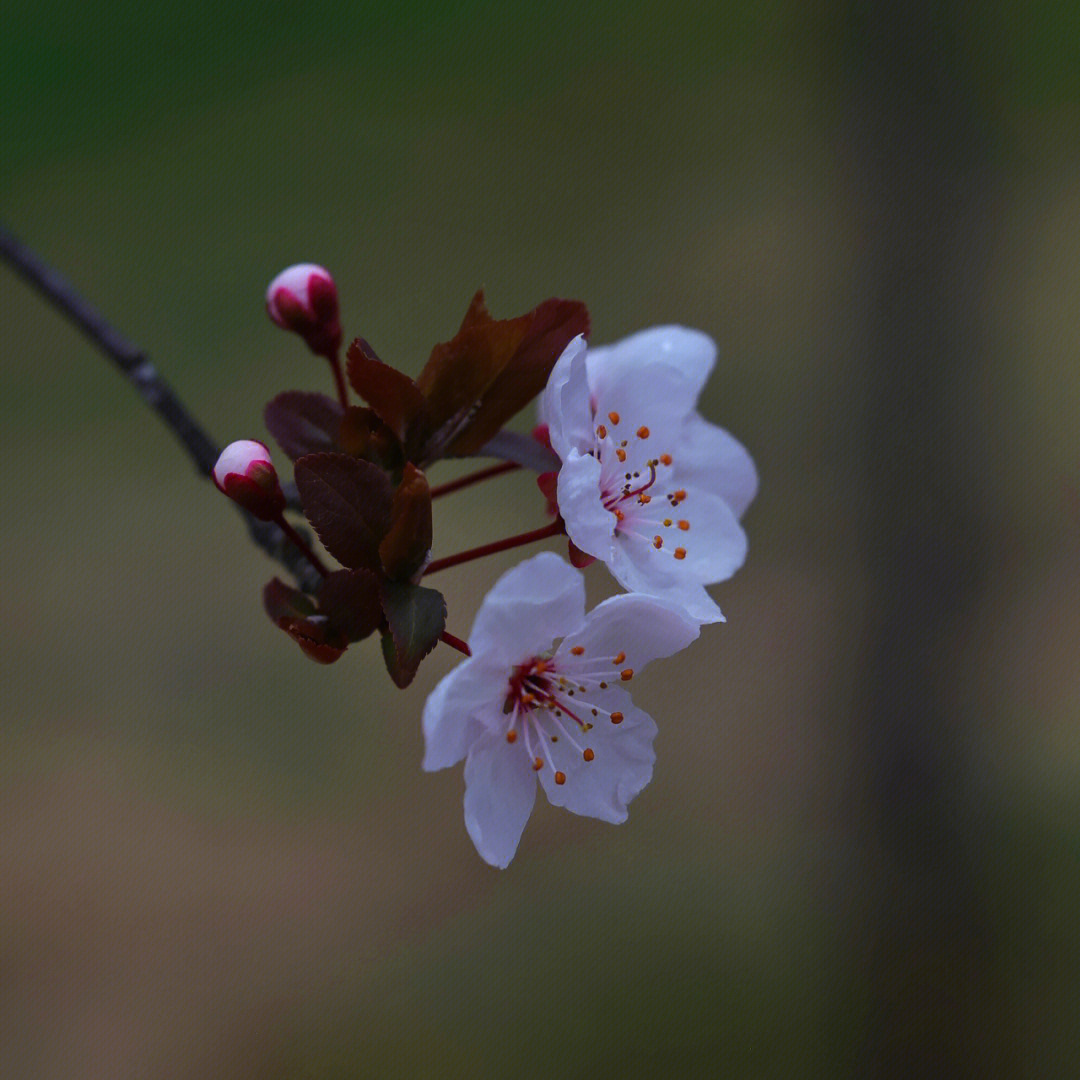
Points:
[(137, 369)]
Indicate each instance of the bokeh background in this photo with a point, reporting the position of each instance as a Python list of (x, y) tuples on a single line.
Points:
[(860, 852)]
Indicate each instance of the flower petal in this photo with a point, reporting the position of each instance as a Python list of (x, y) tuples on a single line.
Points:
[(588, 524), (565, 404), (454, 711), (621, 765), (528, 607), (500, 789), (638, 628), (690, 597), (712, 459), (713, 544), (659, 371)]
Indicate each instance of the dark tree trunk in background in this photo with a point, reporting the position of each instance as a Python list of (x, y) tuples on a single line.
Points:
[(921, 171)]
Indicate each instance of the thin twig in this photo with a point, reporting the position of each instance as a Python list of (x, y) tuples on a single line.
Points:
[(138, 370)]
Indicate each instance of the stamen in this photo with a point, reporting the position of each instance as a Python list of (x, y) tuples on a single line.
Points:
[(511, 736), (680, 553), (538, 764), (617, 717), (587, 754), (658, 542), (684, 525), (667, 523), (620, 453), (643, 432), (601, 432), (560, 778), (578, 650), (643, 498), (617, 660), (613, 417), (626, 674), (665, 459)]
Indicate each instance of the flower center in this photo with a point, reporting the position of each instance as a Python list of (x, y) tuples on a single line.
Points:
[(631, 489), (549, 714)]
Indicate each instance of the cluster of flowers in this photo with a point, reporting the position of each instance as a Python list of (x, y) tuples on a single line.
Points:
[(633, 477)]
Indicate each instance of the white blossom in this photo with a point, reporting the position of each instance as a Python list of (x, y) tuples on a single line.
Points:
[(544, 697)]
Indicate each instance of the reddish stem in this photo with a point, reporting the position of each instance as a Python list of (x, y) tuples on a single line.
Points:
[(339, 379), (473, 478), (554, 529), (301, 544), (455, 642)]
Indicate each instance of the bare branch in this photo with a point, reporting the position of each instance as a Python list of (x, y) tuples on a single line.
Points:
[(137, 369)]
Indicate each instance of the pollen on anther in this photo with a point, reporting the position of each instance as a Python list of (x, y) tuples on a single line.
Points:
[(617, 660), (620, 454), (616, 717), (684, 525), (578, 650), (527, 698), (658, 542), (667, 523), (619, 515), (538, 764), (587, 754), (680, 553), (511, 736), (665, 459), (643, 432), (560, 778), (613, 417), (601, 432), (626, 674), (603, 686), (644, 498), (679, 495)]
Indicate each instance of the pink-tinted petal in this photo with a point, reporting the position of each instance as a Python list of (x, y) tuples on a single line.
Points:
[(710, 549), (659, 371), (690, 597), (565, 404), (500, 788), (711, 459), (528, 607), (638, 629), (455, 710), (621, 765), (588, 524)]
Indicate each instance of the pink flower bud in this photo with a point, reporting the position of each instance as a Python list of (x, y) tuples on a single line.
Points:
[(303, 298), (246, 474)]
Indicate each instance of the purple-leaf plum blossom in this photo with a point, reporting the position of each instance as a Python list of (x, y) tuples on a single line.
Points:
[(544, 697), (646, 484)]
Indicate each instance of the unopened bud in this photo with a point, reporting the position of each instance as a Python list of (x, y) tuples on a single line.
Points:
[(303, 298), (246, 474)]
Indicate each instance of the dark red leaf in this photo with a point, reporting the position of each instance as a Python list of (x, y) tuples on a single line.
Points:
[(460, 370), (312, 637), (350, 600), (364, 435), (416, 617), (408, 542), (303, 423), (548, 330), (348, 503), (392, 395), (295, 613)]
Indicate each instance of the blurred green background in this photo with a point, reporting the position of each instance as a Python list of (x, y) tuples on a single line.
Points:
[(860, 852)]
